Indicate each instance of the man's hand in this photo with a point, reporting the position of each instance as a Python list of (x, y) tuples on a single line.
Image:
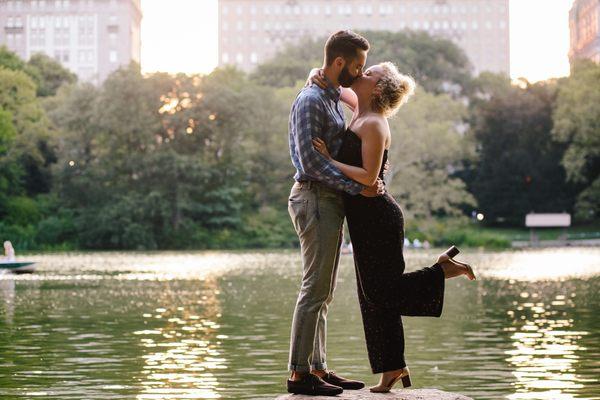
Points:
[(386, 167), (317, 76), (378, 189)]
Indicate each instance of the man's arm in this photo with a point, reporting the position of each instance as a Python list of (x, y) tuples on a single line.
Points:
[(308, 120)]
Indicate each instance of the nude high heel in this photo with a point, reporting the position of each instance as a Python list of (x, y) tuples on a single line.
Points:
[(452, 251), (404, 377)]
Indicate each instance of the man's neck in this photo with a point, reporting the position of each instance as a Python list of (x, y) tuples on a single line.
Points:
[(332, 76)]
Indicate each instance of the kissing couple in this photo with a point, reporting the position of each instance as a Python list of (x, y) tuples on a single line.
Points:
[(339, 173)]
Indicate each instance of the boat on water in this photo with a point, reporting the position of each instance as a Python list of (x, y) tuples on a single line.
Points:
[(17, 267)]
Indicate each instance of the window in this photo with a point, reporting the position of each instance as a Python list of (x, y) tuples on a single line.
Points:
[(225, 58), (253, 25), (240, 25), (112, 56), (239, 10), (225, 10), (254, 58), (239, 58)]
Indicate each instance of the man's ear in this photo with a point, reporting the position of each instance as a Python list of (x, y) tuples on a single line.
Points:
[(339, 62)]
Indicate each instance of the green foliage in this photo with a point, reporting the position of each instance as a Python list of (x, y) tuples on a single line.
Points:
[(436, 63), (577, 124), (50, 74), (201, 162), (32, 146), (443, 232), (427, 144), (518, 170)]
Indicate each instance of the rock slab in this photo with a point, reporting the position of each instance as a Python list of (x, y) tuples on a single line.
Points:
[(396, 394)]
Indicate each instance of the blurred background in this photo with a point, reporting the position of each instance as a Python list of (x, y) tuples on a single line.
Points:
[(101, 151), (139, 137)]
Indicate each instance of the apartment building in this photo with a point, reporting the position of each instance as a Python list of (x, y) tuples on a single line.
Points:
[(92, 38)]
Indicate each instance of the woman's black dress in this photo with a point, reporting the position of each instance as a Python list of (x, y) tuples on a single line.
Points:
[(385, 292)]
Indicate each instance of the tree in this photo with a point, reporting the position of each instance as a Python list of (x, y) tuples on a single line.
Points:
[(32, 144), (518, 171), (577, 125), (50, 74), (428, 144), (436, 63)]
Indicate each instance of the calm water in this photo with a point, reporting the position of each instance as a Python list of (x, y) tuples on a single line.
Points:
[(216, 325)]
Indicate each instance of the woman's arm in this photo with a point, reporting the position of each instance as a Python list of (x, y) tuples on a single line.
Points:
[(373, 144), (317, 77), (349, 98)]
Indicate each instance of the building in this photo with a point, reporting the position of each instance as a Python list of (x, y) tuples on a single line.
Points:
[(92, 38), (251, 31), (584, 18)]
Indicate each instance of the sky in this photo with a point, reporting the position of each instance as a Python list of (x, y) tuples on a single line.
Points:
[(181, 36)]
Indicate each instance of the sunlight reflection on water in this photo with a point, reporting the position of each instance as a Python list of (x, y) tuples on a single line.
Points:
[(208, 325)]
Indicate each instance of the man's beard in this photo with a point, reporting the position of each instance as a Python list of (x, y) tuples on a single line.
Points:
[(346, 79)]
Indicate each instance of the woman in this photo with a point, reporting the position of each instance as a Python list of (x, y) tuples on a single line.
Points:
[(9, 252), (376, 226)]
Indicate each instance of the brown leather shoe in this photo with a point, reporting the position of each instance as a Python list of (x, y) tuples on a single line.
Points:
[(344, 383), (314, 386)]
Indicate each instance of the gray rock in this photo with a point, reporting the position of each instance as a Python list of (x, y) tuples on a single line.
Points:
[(395, 394)]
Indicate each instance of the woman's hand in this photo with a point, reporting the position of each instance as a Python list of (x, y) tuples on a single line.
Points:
[(317, 76), (321, 147)]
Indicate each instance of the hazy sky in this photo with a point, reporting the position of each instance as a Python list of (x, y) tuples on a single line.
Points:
[(181, 35)]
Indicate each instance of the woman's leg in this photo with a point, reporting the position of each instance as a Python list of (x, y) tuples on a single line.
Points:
[(384, 334)]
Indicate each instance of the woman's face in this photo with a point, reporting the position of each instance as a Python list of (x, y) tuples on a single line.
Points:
[(365, 84)]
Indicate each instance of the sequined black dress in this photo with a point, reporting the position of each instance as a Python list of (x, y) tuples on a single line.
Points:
[(385, 292)]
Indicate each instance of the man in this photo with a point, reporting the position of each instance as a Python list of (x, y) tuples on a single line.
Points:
[(316, 208)]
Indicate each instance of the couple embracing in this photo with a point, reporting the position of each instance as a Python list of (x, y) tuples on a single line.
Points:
[(340, 173)]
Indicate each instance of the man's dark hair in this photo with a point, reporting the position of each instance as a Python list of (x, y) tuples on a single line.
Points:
[(344, 44)]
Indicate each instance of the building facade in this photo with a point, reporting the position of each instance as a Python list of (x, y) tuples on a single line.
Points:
[(251, 31), (584, 19), (92, 38)]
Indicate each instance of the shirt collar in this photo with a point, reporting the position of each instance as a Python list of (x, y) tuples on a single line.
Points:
[(332, 92)]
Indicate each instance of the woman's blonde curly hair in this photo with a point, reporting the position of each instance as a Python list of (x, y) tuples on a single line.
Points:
[(394, 90)]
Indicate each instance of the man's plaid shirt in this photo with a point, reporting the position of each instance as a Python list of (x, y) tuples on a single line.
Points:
[(318, 113)]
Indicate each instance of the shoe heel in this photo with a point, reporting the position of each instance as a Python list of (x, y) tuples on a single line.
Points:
[(452, 251), (406, 381)]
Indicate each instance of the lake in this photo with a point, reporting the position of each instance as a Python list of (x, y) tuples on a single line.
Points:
[(204, 325)]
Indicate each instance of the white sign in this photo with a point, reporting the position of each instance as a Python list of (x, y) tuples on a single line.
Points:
[(547, 220)]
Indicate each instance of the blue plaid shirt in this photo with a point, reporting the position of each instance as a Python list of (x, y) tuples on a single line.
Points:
[(318, 113)]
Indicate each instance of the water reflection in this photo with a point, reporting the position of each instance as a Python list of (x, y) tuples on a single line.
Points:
[(546, 348), (209, 325), (183, 355), (7, 289)]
